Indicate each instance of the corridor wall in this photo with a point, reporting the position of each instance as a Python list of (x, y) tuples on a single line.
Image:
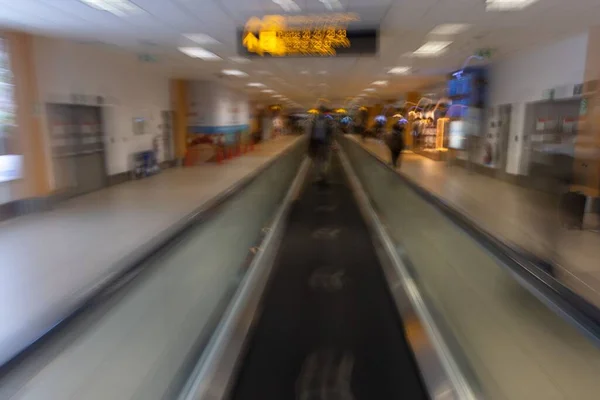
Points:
[(215, 108), (97, 74), (525, 76)]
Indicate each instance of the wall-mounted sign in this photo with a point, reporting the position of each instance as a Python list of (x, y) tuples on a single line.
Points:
[(139, 126), (485, 53), (281, 36)]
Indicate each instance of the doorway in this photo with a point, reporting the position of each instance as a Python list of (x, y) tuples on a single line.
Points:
[(78, 151)]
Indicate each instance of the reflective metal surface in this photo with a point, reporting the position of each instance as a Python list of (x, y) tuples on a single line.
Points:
[(211, 379), (441, 374)]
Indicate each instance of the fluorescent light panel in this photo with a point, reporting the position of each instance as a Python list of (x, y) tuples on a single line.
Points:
[(240, 60), (117, 7), (432, 48), (256, 84), (234, 72), (399, 70), (287, 5), (201, 38), (369, 90), (380, 83), (199, 52), (268, 91), (507, 5), (449, 29)]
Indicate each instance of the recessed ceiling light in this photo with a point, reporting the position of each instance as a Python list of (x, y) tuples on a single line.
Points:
[(449, 29), (305, 72), (268, 91), (369, 90), (399, 70), (199, 52), (201, 38), (278, 96), (240, 60), (432, 48), (234, 72), (287, 5), (507, 5), (256, 84), (117, 7), (380, 83)]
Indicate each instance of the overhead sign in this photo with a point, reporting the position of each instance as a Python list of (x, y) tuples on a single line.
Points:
[(281, 36)]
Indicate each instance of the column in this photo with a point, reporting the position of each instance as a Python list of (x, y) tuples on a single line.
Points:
[(587, 151), (180, 100), (31, 141)]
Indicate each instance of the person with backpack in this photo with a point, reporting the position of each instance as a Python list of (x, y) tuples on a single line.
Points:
[(395, 142), (321, 137)]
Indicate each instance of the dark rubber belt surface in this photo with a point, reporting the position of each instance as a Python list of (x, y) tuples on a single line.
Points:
[(328, 329)]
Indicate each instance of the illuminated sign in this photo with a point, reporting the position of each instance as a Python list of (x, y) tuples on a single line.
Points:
[(11, 167), (327, 35)]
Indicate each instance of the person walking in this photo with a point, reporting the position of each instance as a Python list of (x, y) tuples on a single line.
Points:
[(321, 136), (395, 142)]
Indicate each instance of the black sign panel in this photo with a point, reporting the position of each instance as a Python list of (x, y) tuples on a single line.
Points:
[(308, 43)]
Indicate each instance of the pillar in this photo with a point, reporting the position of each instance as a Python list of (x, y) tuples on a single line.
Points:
[(31, 142), (586, 168), (373, 112)]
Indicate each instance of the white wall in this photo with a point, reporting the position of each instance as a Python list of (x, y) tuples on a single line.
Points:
[(216, 105), (524, 77), (131, 89)]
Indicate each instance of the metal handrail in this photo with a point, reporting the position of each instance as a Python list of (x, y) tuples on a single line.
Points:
[(443, 377)]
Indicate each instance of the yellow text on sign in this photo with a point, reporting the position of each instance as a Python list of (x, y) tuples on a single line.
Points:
[(296, 41)]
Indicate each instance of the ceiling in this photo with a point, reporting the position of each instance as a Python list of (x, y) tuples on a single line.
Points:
[(404, 24)]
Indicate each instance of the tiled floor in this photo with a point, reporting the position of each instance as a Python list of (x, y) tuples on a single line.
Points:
[(51, 261), (515, 214)]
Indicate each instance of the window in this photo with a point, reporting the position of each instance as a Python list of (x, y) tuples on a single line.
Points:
[(10, 161)]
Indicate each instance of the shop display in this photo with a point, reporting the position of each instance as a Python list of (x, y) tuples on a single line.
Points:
[(457, 137), (551, 128), (441, 133)]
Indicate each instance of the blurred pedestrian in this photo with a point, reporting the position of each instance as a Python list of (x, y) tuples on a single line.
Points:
[(321, 136), (395, 142)]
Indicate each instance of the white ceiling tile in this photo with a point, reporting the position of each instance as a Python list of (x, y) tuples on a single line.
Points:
[(405, 25)]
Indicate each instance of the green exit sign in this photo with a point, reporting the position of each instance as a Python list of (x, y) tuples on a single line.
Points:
[(484, 53), (149, 58)]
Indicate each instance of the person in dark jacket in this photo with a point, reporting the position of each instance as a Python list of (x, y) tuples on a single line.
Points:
[(395, 142), (321, 137)]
